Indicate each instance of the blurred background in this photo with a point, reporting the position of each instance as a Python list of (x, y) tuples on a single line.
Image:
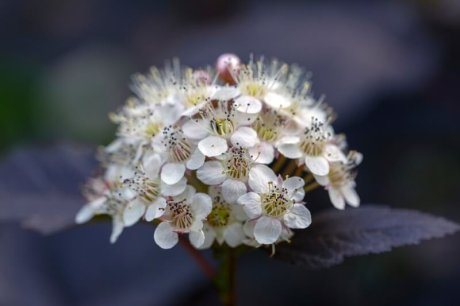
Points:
[(391, 70)]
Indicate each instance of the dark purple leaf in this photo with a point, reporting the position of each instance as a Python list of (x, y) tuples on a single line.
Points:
[(40, 187), (335, 235)]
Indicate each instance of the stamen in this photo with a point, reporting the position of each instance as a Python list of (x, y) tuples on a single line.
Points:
[(238, 163), (267, 126), (177, 146), (181, 215), (146, 188), (220, 213), (314, 138), (275, 203)]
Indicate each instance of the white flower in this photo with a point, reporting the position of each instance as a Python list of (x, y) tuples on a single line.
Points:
[(313, 146), (114, 202), (217, 122), (179, 152), (231, 170), (270, 125), (163, 87), (274, 203), (183, 214), (266, 83), (224, 223), (340, 182), (250, 240)]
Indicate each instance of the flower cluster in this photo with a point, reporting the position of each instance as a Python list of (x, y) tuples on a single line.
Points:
[(224, 155)]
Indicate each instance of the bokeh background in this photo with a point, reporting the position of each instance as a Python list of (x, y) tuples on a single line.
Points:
[(391, 70)]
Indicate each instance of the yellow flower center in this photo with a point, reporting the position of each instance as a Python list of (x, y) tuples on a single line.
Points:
[(275, 202)]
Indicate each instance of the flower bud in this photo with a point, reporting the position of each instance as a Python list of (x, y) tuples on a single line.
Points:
[(227, 67)]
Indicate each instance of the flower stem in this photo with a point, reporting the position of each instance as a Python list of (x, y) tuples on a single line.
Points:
[(226, 275), (205, 266), (312, 186)]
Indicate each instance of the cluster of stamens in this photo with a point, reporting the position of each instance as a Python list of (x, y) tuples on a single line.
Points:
[(275, 202), (181, 214), (267, 126), (220, 213), (237, 163), (314, 138), (178, 147), (221, 117), (145, 187)]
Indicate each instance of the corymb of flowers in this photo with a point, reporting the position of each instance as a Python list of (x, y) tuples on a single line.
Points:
[(224, 155)]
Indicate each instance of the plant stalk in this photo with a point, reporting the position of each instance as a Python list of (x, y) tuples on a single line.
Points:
[(226, 276)]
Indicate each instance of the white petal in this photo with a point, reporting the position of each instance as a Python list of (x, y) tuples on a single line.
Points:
[(293, 183), (298, 217), (317, 164), (201, 205), (172, 173), (89, 210), (263, 153), (267, 230), (213, 146), (133, 212), (225, 94), (290, 140), (245, 119), (234, 234), (193, 110), (156, 209), (196, 238), (232, 190), (174, 190), (290, 150), (209, 236), (276, 100), (117, 172), (350, 195), (117, 228), (245, 137), (322, 180), (259, 177), (195, 129), (251, 204), (248, 228), (239, 213), (333, 153), (336, 198), (248, 104), (84, 214), (188, 192), (196, 160), (152, 164), (212, 173), (196, 226), (164, 236)]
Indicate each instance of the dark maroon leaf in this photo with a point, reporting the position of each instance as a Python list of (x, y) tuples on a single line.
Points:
[(40, 187), (335, 235)]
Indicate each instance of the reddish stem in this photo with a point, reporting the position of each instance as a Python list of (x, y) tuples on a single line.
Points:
[(205, 266)]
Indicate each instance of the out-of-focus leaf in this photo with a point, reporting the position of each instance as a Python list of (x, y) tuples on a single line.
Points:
[(40, 187), (335, 235)]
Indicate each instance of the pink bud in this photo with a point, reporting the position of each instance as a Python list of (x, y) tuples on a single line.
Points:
[(228, 66)]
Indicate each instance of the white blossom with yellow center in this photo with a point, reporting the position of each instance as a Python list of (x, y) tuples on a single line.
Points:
[(274, 203)]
